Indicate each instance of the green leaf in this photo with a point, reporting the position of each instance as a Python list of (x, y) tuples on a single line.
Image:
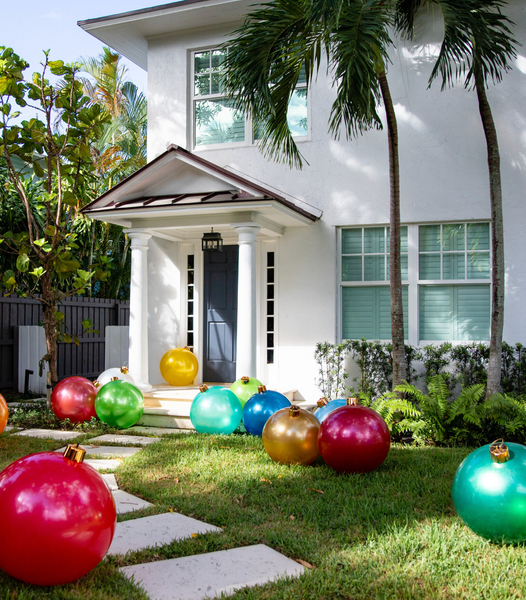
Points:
[(67, 338), (39, 171), (38, 272), (86, 323), (22, 263), (76, 340), (59, 316)]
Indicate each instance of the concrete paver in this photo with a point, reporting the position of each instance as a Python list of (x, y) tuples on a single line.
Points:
[(125, 503), (110, 480), (157, 430), (110, 438), (155, 531), (103, 464), (49, 433), (8, 428), (106, 451), (208, 575)]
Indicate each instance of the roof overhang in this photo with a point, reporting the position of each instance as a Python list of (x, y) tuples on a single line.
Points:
[(128, 32), (179, 195)]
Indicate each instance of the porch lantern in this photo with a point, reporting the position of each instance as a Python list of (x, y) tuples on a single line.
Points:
[(212, 242)]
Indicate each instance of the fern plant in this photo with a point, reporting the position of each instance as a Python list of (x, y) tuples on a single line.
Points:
[(400, 415)]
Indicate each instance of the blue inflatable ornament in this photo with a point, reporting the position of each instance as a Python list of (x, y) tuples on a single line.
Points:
[(260, 407), (215, 410), (489, 492), (327, 406)]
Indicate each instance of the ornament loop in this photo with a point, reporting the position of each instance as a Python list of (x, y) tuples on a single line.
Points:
[(499, 451), (262, 388), (75, 453)]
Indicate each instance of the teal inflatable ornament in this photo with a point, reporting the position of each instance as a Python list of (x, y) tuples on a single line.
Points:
[(245, 388), (215, 410), (489, 492), (119, 403)]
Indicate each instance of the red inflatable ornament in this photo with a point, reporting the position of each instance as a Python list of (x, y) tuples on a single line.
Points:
[(354, 439), (58, 517), (73, 398)]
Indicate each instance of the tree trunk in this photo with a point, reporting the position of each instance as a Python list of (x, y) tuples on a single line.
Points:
[(50, 325), (497, 239), (397, 310)]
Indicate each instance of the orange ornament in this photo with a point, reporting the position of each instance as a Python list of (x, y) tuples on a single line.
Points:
[(4, 413)]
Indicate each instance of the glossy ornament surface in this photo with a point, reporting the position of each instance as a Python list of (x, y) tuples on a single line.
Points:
[(120, 372), (58, 519), (215, 410), (119, 404), (354, 439), (179, 366), (490, 497), (290, 436), (4, 413), (73, 398), (261, 407), (245, 387), (325, 408)]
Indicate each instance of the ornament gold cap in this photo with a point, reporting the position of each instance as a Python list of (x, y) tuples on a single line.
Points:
[(74, 452), (499, 452), (322, 402), (186, 348), (262, 388), (294, 410), (124, 370), (352, 402), (245, 379), (96, 383), (203, 388), (114, 379)]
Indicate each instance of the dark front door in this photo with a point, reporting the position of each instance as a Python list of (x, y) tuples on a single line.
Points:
[(220, 318)]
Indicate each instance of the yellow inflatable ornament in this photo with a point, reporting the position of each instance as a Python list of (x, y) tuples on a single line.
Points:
[(179, 366)]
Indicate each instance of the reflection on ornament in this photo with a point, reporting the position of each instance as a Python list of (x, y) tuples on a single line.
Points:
[(245, 387), (73, 398), (119, 404), (179, 366), (4, 413), (121, 373), (58, 518), (260, 407), (290, 436), (326, 407), (489, 492), (215, 410), (354, 439)]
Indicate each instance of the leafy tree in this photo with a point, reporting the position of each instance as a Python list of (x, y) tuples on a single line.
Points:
[(55, 149), (478, 45), (264, 61)]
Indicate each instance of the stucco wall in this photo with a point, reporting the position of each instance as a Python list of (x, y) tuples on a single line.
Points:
[(443, 177)]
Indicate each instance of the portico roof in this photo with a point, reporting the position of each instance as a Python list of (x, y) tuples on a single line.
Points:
[(179, 194)]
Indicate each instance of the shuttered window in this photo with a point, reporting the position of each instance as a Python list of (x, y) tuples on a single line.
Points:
[(446, 272)]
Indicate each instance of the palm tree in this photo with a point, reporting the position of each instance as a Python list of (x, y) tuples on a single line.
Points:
[(264, 62), (478, 44)]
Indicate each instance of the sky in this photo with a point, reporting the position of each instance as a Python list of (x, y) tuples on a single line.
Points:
[(30, 26)]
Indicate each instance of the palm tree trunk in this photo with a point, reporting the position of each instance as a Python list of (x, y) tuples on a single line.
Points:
[(497, 238), (397, 310)]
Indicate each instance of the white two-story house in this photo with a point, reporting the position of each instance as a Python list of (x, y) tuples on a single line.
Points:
[(305, 252)]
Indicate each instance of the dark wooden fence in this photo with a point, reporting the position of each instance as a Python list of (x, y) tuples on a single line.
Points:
[(86, 360)]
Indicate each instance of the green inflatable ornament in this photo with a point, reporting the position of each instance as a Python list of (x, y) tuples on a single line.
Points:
[(245, 388), (119, 403), (489, 492)]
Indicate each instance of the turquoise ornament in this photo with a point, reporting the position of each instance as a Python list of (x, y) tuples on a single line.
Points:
[(489, 492), (245, 388), (215, 410), (119, 403), (326, 407)]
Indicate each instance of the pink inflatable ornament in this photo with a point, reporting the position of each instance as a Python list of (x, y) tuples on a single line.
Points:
[(73, 398), (122, 374)]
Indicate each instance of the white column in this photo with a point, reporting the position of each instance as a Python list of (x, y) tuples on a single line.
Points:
[(246, 356), (138, 354)]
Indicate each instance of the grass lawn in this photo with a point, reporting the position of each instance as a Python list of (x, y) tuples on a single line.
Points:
[(390, 534)]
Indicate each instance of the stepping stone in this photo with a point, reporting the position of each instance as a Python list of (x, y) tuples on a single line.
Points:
[(103, 464), (110, 480), (126, 503), (10, 428), (157, 430), (209, 575), (50, 433), (106, 451), (125, 439), (153, 531)]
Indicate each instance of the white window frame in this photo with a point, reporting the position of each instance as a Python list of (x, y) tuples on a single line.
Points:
[(413, 281), (249, 130)]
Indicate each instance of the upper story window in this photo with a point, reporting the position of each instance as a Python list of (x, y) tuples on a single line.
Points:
[(215, 121)]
